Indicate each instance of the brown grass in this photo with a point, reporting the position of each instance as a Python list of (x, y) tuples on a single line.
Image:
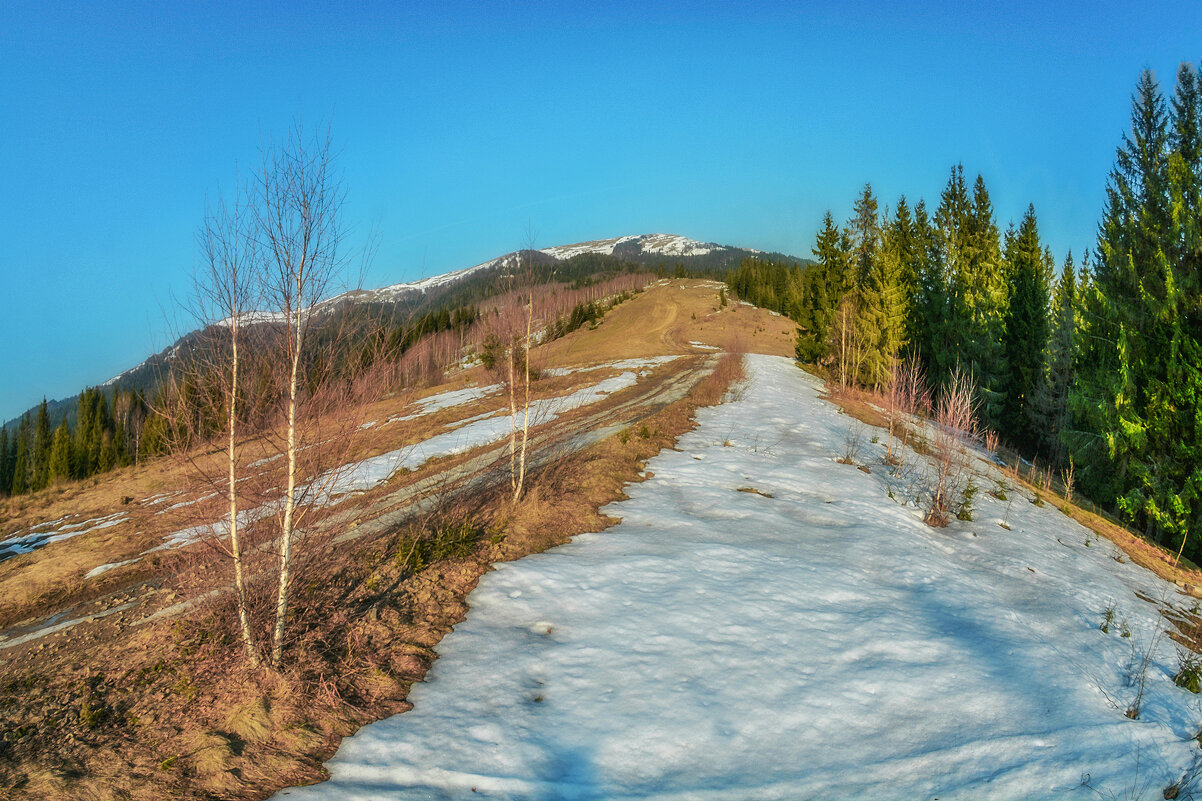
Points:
[(179, 716)]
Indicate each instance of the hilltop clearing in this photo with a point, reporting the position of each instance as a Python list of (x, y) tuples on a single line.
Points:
[(119, 665), (766, 623)]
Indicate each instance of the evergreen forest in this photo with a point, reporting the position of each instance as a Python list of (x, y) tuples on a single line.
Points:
[(1092, 364)]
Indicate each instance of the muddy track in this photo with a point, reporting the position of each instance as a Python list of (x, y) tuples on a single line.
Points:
[(485, 471)]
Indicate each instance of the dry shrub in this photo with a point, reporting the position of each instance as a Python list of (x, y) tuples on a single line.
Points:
[(728, 373), (851, 444), (955, 422), (907, 398)]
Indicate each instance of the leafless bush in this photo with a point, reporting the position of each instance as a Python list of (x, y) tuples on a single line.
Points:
[(906, 398), (954, 423), (1045, 480), (1137, 671), (852, 441)]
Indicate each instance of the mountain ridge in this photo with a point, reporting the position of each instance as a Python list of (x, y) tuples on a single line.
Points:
[(652, 250)]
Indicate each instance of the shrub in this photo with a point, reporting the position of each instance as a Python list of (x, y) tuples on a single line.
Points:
[(91, 713), (1189, 670), (851, 444), (451, 541), (965, 511), (955, 419)]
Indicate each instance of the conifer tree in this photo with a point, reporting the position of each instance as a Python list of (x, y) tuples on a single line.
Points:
[(902, 235), (5, 476), (1050, 408), (41, 448), (884, 304), (985, 288), (60, 454), (952, 329), (22, 463), (1142, 345), (83, 424), (865, 233), (1026, 332), (928, 295), (826, 284), (1185, 175)]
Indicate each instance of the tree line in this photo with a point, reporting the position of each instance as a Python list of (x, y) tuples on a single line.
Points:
[(1097, 366), (108, 433)]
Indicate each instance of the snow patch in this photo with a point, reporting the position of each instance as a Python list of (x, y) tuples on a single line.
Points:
[(809, 639), (34, 539), (447, 400), (622, 364), (96, 571), (366, 474)]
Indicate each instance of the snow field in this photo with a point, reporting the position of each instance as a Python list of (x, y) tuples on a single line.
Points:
[(819, 643)]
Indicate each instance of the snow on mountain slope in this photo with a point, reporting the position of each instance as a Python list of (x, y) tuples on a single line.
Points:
[(397, 290), (663, 244), (806, 637)]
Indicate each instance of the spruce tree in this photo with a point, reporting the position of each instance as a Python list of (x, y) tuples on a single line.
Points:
[(1051, 401), (22, 463), (1140, 379), (929, 293), (41, 448), (952, 330), (83, 424), (986, 293), (60, 454), (903, 237), (5, 476), (1026, 332), (884, 304), (826, 284), (865, 233)]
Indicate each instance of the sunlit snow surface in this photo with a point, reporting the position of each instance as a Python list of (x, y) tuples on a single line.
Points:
[(365, 474), (822, 643), (43, 534)]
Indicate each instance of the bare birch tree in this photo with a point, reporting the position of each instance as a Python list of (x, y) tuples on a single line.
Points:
[(528, 280), (847, 340), (298, 213), (225, 286)]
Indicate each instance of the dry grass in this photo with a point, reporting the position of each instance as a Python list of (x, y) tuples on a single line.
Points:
[(664, 319), (167, 710)]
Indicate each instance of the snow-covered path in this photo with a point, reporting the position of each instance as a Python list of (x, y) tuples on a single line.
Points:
[(818, 643)]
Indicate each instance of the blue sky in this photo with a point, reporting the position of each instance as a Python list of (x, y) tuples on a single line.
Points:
[(460, 125)]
